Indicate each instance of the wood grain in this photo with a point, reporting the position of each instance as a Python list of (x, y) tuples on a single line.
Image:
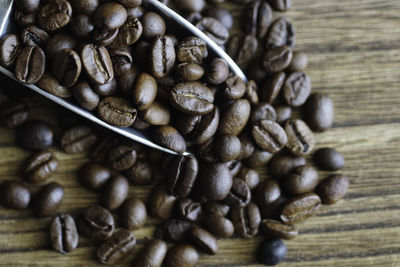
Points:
[(354, 52)]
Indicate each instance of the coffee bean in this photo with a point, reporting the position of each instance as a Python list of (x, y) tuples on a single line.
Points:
[(277, 58), (234, 88), (234, 167), (34, 135), (242, 49), (283, 164), (33, 35), (162, 56), (107, 89), (251, 93), (145, 91), (63, 233), (192, 98), (215, 181), (214, 29), (85, 96), (97, 63), (219, 225), (153, 25), (272, 87), (172, 230), (96, 222), (48, 199), (122, 157), (333, 188), (122, 60), (269, 135), (246, 220), (217, 208), (129, 33), (169, 137), (67, 67), (262, 111), (302, 180), (79, 139), (218, 71), (296, 89), (15, 195), (246, 147), (182, 255), (235, 118), (329, 159), (51, 85), (319, 112), (189, 210), (267, 192), (10, 46), (190, 71), (57, 43), (191, 5), (110, 16), (300, 138), (87, 7), (299, 61), (24, 19), (93, 176), (181, 176), (250, 177), (104, 37), (153, 254), (54, 15), (133, 214), (117, 247), (240, 194), (115, 192), (30, 64), (116, 111), (227, 147), (281, 33), (40, 166), (82, 27), (272, 252), (277, 229), (27, 6), (203, 240), (283, 113), (14, 114), (300, 208), (161, 203), (221, 14), (280, 5), (258, 15), (258, 158), (192, 49), (140, 173), (156, 114)]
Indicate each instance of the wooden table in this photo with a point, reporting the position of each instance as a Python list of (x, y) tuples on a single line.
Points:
[(354, 52)]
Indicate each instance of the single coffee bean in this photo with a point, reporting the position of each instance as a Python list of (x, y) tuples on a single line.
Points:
[(40, 166), (54, 15), (333, 188), (133, 214), (93, 176), (57, 43), (115, 192), (153, 254), (217, 208), (129, 33), (24, 19), (116, 111), (272, 251), (250, 177), (107, 89), (280, 5), (258, 158), (82, 27), (215, 181), (227, 147), (299, 61), (214, 29), (192, 49), (246, 220), (10, 46), (302, 180), (319, 112), (219, 225), (67, 67), (63, 233), (122, 60), (296, 89), (242, 49), (281, 33), (258, 15), (202, 128), (234, 88), (329, 159), (14, 114), (283, 113), (262, 111), (79, 139), (300, 138), (189, 210), (110, 16), (277, 58), (300, 208), (85, 96), (117, 247), (162, 56), (182, 175), (221, 14), (277, 229), (153, 25), (156, 114), (51, 85), (145, 91), (34, 135), (269, 135), (140, 173), (33, 35), (190, 72), (87, 7), (272, 87), (172, 230), (97, 63), (218, 71), (104, 37), (283, 164), (182, 255), (30, 64), (240, 194), (27, 6), (251, 93), (15, 195), (267, 192), (235, 118), (48, 199), (203, 240), (161, 203), (96, 222), (169, 137), (246, 147), (122, 157)]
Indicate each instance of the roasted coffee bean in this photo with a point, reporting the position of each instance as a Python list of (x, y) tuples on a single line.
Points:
[(217, 208), (115, 192), (93, 176), (189, 210), (190, 72), (156, 114), (234, 88), (14, 114), (191, 5), (122, 60), (96, 222), (169, 137), (246, 147), (161, 203), (133, 214), (203, 128), (280, 5), (333, 188), (34, 135), (129, 33), (24, 19), (153, 254), (283, 164), (221, 14), (319, 112), (277, 58), (182, 255), (235, 118), (48, 199), (296, 89), (57, 43), (218, 71), (250, 176), (54, 15), (300, 208), (40, 166), (258, 158), (192, 49), (227, 147), (192, 98), (214, 29), (267, 192), (299, 61), (252, 92), (104, 37), (140, 173), (182, 175), (277, 229), (116, 111), (87, 7), (269, 135), (79, 139), (51, 85), (15, 195), (234, 167), (82, 27), (30, 64), (246, 220), (203, 240), (85, 96), (153, 25), (10, 46), (110, 16), (300, 138), (281, 33), (100, 150), (63, 233), (107, 89), (33, 35), (215, 181), (329, 159), (97, 63), (219, 225), (162, 56), (242, 49), (67, 67), (283, 113), (240, 194), (302, 180), (117, 247), (145, 91), (272, 251), (272, 86), (262, 111), (27, 6), (122, 157), (172, 230), (258, 15)]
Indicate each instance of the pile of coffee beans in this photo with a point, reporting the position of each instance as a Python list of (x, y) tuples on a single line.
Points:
[(125, 64)]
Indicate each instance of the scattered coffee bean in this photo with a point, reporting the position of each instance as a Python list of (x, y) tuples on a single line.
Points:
[(250, 176), (281, 33), (15, 195), (272, 87), (216, 181), (246, 220), (234, 119), (296, 89), (302, 180), (300, 138), (10, 47), (267, 192), (277, 229), (96, 222), (269, 135), (93, 176), (30, 65), (283, 164), (189, 210), (116, 111), (182, 175), (53, 86), (153, 25), (203, 240), (14, 114), (300, 208), (329, 159), (319, 112), (217, 208), (333, 188), (283, 113), (79, 139), (169, 137), (182, 255), (153, 254), (140, 173), (133, 214), (40, 166), (48, 199), (85, 96), (192, 98), (145, 91), (299, 61), (122, 157), (259, 16), (272, 251), (117, 247), (115, 192), (97, 63), (67, 67), (277, 59), (161, 203), (54, 15), (34, 135), (214, 29), (63, 233)]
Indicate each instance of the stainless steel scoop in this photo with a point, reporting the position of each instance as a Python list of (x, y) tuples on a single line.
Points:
[(173, 20)]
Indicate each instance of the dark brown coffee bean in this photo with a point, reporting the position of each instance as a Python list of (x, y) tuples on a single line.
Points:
[(281, 33), (51, 85), (181, 175), (85, 96), (204, 127), (156, 114), (333, 188), (129, 33), (214, 29), (48, 199), (251, 93), (189, 210), (242, 49), (10, 46), (172, 230), (190, 71), (192, 98), (216, 181), (79, 139), (273, 228), (329, 159), (299, 61), (227, 147), (107, 89), (300, 208), (182, 255), (87, 7), (283, 164), (258, 158), (280, 5), (67, 67), (267, 192), (300, 138), (122, 60), (30, 64), (246, 147), (153, 25), (96, 222), (262, 111), (269, 135), (234, 88), (258, 15), (145, 91), (250, 176), (272, 86), (40, 166), (34, 135), (63, 233), (246, 220), (116, 111), (97, 63), (296, 89), (115, 192), (169, 137), (82, 27), (272, 251), (57, 43), (162, 56), (104, 37), (110, 16), (192, 49), (217, 208), (301, 180), (240, 194), (153, 254), (235, 118), (219, 225), (33, 35), (15, 195), (283, 113), (117, 247), (319, 112), (161, 203), (122, 157), (277, 58), (27, 6), (221, 14), (218, 71), (133, 214), (14, 114), (54, 15), (203, 240), (93, 176)]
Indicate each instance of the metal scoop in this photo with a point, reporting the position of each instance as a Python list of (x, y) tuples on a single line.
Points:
[(173, 20)]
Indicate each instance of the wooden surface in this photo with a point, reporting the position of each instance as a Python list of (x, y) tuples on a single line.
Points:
[(354, 52)]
